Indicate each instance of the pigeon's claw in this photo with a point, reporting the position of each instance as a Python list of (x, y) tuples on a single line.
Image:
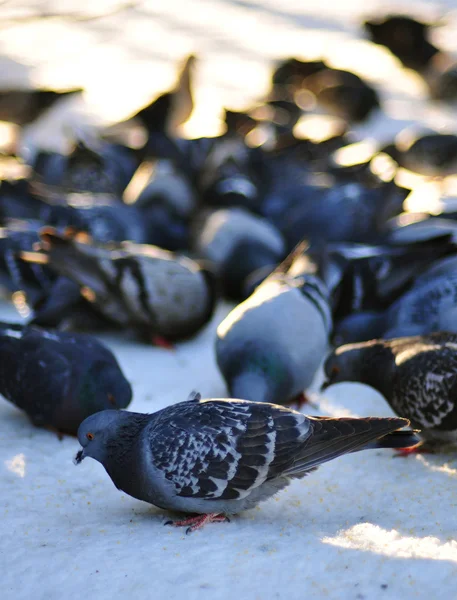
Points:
[(417, 449), (198, 521)]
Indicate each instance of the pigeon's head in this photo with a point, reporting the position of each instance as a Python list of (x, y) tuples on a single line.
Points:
[(103, 387), (347, 363), (95, 433)]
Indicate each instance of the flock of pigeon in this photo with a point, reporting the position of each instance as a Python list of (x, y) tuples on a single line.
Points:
[(312, 252)]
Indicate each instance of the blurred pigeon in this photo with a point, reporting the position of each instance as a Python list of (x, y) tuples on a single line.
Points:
[(104, 222), (429, 306), (432, 155), (92, 166), (416, 375), (61, 306), (362, 213), (28, 283), (17, 201), (212, 458), (21, 107), (343, 94), (237, 243), (164, 297), (419, 228), (409, 40), (359, 327), (269, 347), (292, 71), (169, 110), (374, 281), (59, 379), (405, 37)]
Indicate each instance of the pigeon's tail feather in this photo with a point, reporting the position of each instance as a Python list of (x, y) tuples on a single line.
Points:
[(332, 437), (396, 439)]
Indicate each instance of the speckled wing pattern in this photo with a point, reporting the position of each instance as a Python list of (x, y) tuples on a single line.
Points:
[(425, 389), (222, 449)]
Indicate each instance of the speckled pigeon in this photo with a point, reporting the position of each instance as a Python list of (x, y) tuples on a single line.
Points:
[(416, 375), (59, 379), (218, 457)]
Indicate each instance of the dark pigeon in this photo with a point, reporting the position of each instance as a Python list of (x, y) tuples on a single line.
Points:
[(416, 375), (59, 379)]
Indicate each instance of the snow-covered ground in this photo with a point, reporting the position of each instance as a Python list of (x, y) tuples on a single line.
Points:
[(367, 526)]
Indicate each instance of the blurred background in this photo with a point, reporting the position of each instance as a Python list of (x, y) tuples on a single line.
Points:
[(123, 53)]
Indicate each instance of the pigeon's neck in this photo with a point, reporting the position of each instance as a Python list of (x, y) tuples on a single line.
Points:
[(376, 369), (251, 385)]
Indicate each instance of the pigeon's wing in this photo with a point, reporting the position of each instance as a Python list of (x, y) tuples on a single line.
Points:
[(223, 449), (426, 387)]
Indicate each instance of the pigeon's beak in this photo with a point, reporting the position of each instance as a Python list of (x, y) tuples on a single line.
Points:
[(79, 457)]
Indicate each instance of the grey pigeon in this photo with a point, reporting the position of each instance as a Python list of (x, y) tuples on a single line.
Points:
[(163, 296), (59, 379), (217, 457), (429, 306), (237, 243), (270, 346), (416, 375)]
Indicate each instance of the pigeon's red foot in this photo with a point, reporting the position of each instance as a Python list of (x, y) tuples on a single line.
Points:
[(161, 342), (405, 452), (197, 522)]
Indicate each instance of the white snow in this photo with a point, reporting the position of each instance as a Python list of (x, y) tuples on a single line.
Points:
[(366, 526)]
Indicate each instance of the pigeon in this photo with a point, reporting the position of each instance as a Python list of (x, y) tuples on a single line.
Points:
[(359, 327), (27, 282), (413, 228), (409, 40), (172, 108), (59, 379), (237, 243), (429, 306), (270, 346), (216, 457), (61, 306), (375, 280), (164, 297), (343, 94), (93, 166), (104, 222), (405, 37), (416, 375), (432, 155), (22, 107), (363, 212), (291, 72)]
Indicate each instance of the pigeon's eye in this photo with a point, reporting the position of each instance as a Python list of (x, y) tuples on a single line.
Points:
[(90, 436), (335, 370), (112, 399)]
